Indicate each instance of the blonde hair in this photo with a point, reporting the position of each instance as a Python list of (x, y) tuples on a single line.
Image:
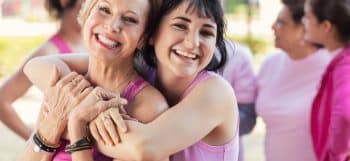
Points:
[(89, 4), (85, 11)]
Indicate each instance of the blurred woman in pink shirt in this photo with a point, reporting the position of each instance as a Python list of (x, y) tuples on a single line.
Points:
[(328, 23)]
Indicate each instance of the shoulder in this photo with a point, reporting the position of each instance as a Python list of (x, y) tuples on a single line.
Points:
[(148, 104), (214, 90)]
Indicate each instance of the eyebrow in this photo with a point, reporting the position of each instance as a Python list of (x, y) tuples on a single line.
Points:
[(188, 20), (133, 12)]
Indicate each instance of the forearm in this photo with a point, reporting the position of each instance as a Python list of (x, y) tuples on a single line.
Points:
[(11, 119), (12, 89), (30, 155), (78, 131), (49, 130)]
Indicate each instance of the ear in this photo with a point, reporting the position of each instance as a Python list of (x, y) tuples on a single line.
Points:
[(326, 26), (64, 3)]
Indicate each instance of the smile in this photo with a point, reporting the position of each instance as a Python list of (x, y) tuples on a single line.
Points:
[(188, 55), (106, 42)]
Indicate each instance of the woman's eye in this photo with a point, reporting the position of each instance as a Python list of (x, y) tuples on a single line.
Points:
[(105, 10), (180, 26), (130, 20), (207, 33)]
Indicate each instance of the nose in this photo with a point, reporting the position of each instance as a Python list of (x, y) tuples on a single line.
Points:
[(116, 25), (273, 27), (192, 40)]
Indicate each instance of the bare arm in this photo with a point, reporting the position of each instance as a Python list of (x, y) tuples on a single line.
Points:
[(38, 69), (146, 107), (203, 106), (63, 99), (13, 88)]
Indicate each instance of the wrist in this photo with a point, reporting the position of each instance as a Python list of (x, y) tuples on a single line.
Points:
[(51, 129), (77, 129)]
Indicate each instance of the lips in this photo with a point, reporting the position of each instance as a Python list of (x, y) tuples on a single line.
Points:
[(107, 42), (187, 55)]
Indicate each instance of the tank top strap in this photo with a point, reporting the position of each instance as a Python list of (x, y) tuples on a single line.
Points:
[(133, 88), (202, 76), (60, 44)]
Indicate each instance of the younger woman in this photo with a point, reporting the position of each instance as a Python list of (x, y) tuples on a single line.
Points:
[(328, 22)]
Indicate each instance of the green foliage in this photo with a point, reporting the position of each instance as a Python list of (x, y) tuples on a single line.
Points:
[(240, 8), (13, 51), (258, 45), (234, 6)]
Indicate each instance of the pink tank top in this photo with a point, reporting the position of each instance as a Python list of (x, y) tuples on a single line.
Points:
[(60, 44), (201, 151), (129, 93)]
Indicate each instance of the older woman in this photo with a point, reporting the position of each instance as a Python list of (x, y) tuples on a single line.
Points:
[(112, 31)]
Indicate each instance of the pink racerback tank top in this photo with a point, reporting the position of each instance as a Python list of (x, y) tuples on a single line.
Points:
[(60, 44), (201, 151)]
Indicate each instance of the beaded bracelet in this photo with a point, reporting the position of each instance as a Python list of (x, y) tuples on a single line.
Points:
[(82, 144), (41, 145)]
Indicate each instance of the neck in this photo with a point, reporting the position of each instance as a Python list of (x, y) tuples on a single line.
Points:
[(172, 86), (333, 45), (70, 32), (301, 52), (114, 76)]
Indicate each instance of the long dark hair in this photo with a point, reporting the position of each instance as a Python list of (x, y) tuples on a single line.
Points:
[(204, 8)]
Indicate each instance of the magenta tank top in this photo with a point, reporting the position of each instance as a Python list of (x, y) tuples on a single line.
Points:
[(201, 151), (60, 44), (129, 93)]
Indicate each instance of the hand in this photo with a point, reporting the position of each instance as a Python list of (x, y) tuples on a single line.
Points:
[(96, 102), (63, 95), (105, 128)]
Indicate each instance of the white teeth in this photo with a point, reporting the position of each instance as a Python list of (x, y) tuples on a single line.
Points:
[(189, 55), (107, 41)]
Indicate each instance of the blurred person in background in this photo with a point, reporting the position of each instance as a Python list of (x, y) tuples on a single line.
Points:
[(328, 23), (67, 39), (287, 84), (238, 71)]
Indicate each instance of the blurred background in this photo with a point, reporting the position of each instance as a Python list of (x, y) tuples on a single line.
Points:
[(24, 25)]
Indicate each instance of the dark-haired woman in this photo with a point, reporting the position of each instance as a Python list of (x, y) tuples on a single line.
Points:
[(327, 23), (287, 84)]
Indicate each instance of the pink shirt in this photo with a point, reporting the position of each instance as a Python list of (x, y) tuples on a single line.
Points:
[(330, 117), (238, 70), (201, 151), (286, 88)]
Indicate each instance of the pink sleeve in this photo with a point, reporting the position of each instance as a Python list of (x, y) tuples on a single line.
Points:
[(341, 99), (339, 133), (239, 72)]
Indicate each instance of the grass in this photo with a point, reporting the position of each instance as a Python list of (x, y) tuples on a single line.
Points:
[(13, 51)]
